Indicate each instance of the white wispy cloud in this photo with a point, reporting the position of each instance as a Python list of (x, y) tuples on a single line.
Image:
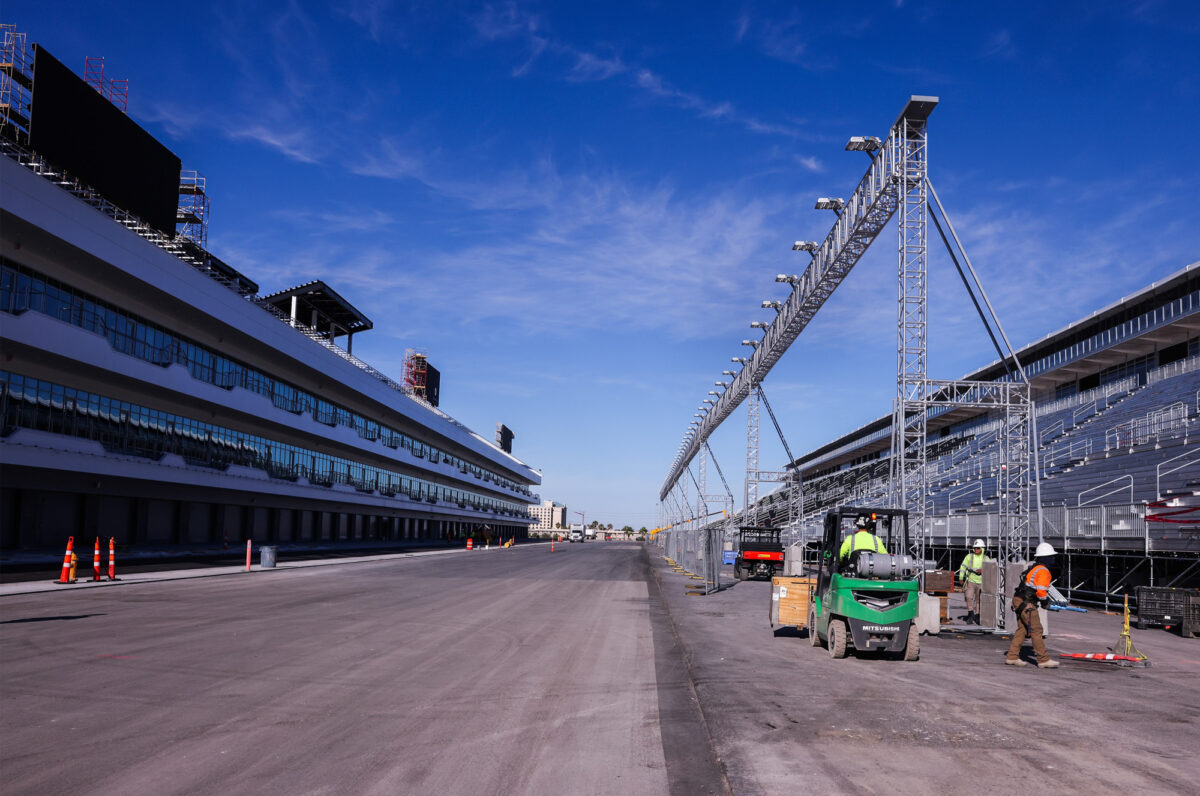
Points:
[(810, 163), (999, 45), (605, 251), (508, 22), (372, 15), (296, 144)]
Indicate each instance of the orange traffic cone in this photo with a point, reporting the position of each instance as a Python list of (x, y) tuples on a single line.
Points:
[(551, 544), (96, 560), (66, 570), (112, 558), (470, 543)]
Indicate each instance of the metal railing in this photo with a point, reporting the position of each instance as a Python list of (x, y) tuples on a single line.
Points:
[(1052, 431), (1066, 451), (1119, 479), (1177, 368), (1166, 423), (1190, 458)]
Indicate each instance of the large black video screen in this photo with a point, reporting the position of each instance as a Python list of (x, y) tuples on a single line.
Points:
[(77, 129), (433, 384)]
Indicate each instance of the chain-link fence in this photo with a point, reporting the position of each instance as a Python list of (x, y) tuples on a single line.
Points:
[(698, 551)]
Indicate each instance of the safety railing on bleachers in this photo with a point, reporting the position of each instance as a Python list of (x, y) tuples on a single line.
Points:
[(1165, 423), (1177, 368), (1114, 485), (1071, 526), (1183, 461), (1066, 452)]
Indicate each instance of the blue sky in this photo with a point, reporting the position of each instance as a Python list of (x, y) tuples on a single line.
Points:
[(577, 208)]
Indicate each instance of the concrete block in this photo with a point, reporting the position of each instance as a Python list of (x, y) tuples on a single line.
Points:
[(793, 560), (929, 611), (987, 605), (991, 577)]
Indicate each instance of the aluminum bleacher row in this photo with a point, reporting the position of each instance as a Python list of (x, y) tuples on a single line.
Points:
[(1132, 441)]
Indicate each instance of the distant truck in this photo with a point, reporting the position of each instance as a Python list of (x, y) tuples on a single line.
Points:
[(590, 534), (575, 533)]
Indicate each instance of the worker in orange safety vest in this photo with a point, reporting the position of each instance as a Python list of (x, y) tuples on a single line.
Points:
[(1032, 590)]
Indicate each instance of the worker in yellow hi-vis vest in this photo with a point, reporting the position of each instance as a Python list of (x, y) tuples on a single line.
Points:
[(970, 572), (863, 538)]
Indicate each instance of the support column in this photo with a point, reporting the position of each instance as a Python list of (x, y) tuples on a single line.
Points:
[(750, 496), (910, 407)]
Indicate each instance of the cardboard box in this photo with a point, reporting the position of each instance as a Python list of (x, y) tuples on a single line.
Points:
[(789, 601)]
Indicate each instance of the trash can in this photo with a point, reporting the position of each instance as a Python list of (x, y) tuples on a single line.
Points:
[(266, 556)]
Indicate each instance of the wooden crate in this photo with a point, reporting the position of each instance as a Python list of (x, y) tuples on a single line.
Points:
[(939, 581), (789, 600)]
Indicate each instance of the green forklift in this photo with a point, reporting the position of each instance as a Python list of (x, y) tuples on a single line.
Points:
[(867, 599)]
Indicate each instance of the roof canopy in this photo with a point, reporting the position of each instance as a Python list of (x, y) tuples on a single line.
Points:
[(331, 308)]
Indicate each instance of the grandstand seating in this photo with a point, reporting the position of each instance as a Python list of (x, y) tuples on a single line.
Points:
[(1129, 441)]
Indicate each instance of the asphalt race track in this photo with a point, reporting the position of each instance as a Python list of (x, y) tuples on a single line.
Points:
[(586, 670)]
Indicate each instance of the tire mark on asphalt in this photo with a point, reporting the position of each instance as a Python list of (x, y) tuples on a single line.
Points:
[(692, 767)]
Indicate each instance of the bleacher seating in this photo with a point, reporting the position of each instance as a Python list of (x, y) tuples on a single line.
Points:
[(1130, 441)]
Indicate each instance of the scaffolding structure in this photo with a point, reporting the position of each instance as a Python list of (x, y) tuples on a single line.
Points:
[(416, 371), (910, 410), (191, 218), (753, 417), (897, 182), (115, 91), (16, 84)]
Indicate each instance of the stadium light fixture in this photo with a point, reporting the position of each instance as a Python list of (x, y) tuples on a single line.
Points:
[(863, 143), (772, 305), (751, 343), (739, 360), (759, 325), (728, 373), (830, 203), (710, 401), (721, 383), (714, 392), (791, 279), (809, 246)]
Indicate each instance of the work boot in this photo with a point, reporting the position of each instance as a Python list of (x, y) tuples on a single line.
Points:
[(1052, 664), (1016, 662)]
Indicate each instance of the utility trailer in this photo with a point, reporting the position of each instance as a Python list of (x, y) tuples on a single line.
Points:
[(760, 553), (867, 600)]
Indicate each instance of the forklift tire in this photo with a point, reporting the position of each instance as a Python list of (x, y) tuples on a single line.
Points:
[(813, 638), (912, 648), (837, 638)]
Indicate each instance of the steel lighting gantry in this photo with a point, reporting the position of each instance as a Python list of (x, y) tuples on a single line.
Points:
[(896, 183), (860, 219)]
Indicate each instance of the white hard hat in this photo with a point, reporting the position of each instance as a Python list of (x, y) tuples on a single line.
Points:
[(1045, 549), (978, 543)]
